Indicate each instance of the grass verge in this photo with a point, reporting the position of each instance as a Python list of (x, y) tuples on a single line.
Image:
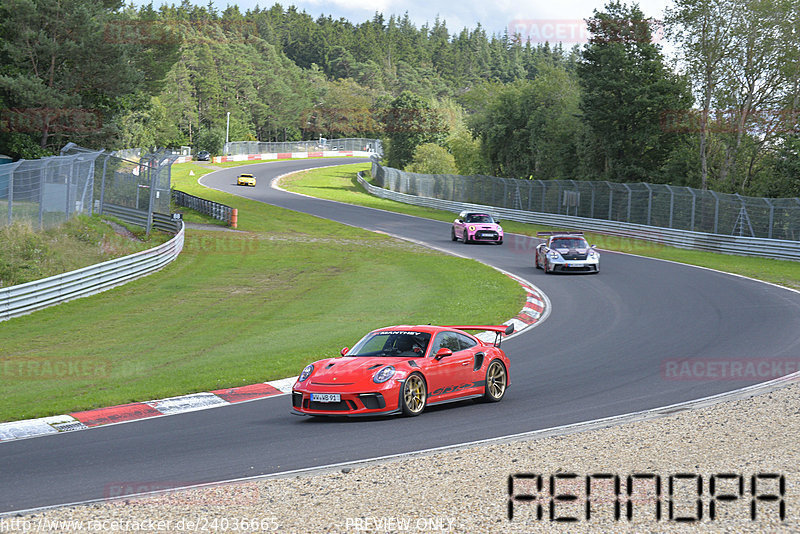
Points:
[(339, 183), (29, 254), (237, 308)]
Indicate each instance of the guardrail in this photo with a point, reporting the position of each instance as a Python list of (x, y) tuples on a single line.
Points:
[(745, 246), (165, 223), (218, 211), (26, 298)]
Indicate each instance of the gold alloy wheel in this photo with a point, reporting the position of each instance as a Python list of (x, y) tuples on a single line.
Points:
[(496, 380), (414, 393)]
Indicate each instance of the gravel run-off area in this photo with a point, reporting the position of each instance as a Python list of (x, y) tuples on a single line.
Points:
[(467, 490)]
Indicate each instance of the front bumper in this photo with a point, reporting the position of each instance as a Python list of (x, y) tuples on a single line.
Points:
[(381, 402), (492, 236), (574, 266)]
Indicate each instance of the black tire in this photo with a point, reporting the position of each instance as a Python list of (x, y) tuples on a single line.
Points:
[(500, 242), (466, 237), (413, 395), (453, 234), (536, 260), (496, 382)]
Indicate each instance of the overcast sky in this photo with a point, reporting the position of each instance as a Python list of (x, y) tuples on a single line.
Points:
[(542, 20)]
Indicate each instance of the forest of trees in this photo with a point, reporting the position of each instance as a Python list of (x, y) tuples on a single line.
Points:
[(722, 114)]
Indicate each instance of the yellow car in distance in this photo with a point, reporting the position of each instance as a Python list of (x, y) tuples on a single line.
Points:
[(246, 179)]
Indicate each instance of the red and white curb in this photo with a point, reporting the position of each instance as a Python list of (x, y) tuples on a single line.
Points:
[(142, 410)]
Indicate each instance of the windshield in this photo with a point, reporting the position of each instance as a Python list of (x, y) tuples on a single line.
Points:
[(570, 242), (399, 343), (479, 218)]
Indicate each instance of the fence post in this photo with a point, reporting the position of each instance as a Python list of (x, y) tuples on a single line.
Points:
[(544, 189), (69, 184), (559, 200), (694, 206), (671, 203), (530, 194), (103, 184), (610, 200), (42, 183), (630, 193), (593, 192), (771, 216), (151, 176), (649, 202), (716, 210)]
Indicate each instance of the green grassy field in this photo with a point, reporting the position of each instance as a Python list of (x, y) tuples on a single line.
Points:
[(339, 184), (237, 308)]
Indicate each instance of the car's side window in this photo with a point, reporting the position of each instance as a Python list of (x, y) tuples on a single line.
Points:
[(466, 342), (446, 340)]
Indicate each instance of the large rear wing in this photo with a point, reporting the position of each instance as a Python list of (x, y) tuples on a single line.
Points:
[(499, 330), (546, 234)]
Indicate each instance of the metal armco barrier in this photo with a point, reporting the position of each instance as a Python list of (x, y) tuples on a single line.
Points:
[(745, 246), (218, 211), (165, 223), (32, 296)]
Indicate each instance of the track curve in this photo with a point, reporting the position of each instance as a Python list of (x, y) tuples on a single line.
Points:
[(599, 354)]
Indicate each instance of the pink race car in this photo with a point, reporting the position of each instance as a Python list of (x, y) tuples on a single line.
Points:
[(476, 226)]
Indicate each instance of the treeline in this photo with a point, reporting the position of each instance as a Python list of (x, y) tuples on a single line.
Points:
[(455, 102)]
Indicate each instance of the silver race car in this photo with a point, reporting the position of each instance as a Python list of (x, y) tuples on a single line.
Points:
[(566, 252)]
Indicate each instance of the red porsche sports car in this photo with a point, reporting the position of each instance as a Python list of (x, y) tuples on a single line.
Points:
[(403, 369)]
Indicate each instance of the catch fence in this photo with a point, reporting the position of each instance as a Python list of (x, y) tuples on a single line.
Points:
[(238, 148), (655, 205), (48, 191)]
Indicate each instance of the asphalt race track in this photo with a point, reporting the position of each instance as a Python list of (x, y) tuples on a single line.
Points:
[(600, 353)]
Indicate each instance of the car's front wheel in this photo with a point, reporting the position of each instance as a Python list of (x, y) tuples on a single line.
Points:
[(496, 382), (453, 234), (413, 395)]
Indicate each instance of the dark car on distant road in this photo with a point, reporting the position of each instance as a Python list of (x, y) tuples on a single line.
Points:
[(203, 155)]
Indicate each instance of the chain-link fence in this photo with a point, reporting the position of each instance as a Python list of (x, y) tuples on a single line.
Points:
[(238, 148), (48, 191), (680, 208)]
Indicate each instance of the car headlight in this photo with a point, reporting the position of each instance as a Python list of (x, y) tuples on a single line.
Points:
[(553, 255), (306, 373), (383, 375), (471, 228), (499, 228), (593, 254)]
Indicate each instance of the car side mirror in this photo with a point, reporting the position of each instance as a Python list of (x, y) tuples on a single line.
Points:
[(459, 221), (594, 246), (344, 351), (442, 353)]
